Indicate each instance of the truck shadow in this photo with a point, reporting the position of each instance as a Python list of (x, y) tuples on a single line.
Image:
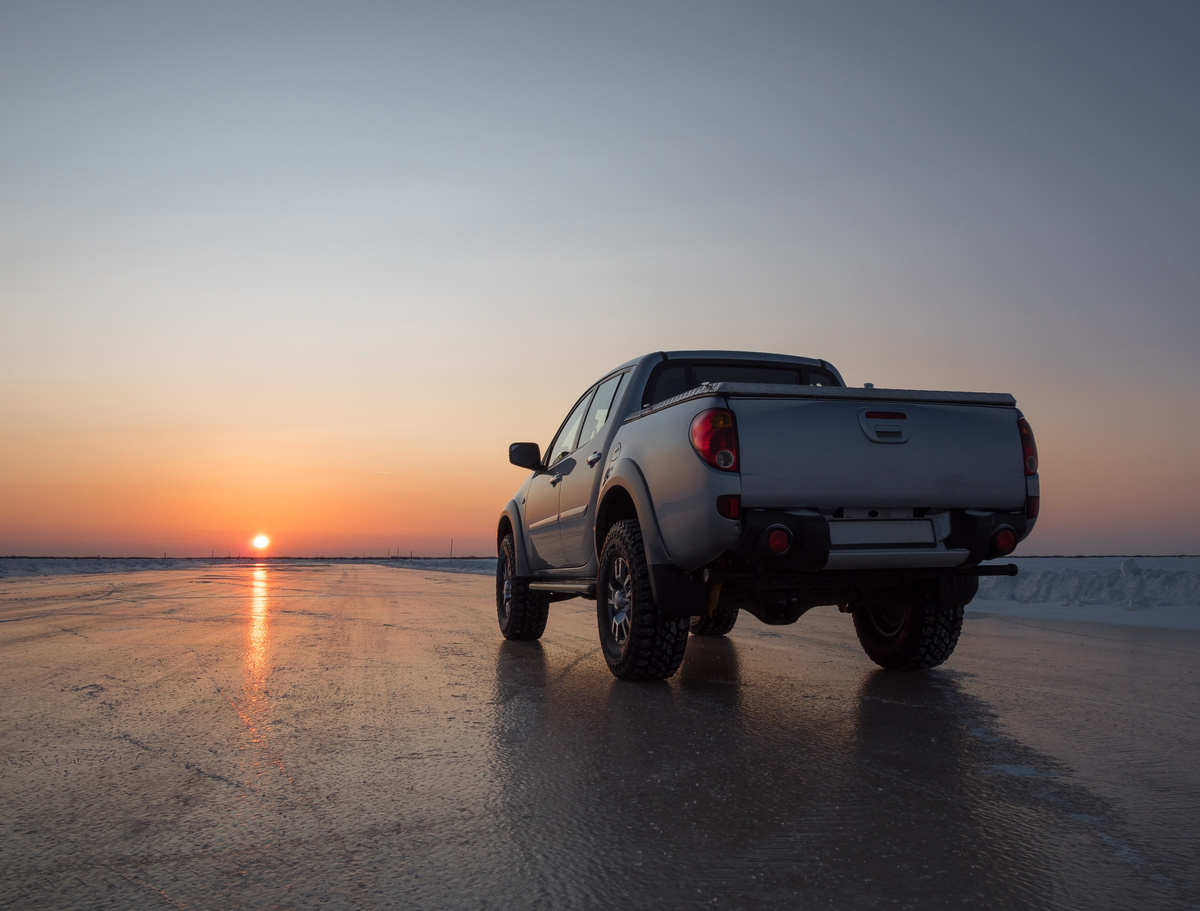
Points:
[(710, 661)]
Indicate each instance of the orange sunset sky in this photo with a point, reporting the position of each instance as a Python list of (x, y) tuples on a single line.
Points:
[(306, 270)]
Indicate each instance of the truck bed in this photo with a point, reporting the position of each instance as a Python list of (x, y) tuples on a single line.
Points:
[(836, 448)]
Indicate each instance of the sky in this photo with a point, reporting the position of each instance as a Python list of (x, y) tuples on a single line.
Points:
[(306, 269)]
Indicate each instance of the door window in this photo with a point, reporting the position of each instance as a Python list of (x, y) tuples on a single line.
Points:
[(564, 443), (602, 403)]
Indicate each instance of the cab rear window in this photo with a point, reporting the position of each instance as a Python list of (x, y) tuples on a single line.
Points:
[(671, 378)]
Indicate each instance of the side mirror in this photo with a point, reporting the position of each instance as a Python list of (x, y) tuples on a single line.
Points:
[(525, 455)]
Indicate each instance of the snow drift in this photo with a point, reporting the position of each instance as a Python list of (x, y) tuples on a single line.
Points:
[(1135, 582)]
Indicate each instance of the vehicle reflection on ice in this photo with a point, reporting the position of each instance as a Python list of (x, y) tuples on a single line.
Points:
[(738, 782)]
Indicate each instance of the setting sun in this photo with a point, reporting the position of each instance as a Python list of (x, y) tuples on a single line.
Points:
[(261, 541)]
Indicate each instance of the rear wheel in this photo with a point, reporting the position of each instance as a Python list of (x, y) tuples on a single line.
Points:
[(638, 642), (522, 613), (918, 630), (718, 623)]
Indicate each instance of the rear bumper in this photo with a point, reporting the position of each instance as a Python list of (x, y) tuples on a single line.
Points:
[(856, 563), (942, 540)]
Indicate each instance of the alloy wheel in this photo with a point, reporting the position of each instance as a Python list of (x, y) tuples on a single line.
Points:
[(620, 599)]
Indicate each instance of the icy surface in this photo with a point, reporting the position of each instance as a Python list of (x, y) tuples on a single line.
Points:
[(1158, 592), (332, 735)]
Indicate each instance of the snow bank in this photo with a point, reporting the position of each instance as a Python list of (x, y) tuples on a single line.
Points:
[(1134, 582), (1159, 592), (477, 566)]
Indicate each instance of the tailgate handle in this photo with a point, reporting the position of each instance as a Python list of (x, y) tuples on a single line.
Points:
[(885, 426)]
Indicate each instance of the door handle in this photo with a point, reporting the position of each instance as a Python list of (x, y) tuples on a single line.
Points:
[(594, 458), (554, 480)]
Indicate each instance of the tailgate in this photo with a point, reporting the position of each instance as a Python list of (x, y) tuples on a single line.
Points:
[(833, 447)]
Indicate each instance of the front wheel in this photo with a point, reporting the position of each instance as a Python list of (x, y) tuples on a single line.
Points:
[(522, 613), (918, 630), (638, 642)]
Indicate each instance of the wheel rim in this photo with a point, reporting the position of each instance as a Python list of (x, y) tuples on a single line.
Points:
[(889, 619), (620, 600), (506, 591)]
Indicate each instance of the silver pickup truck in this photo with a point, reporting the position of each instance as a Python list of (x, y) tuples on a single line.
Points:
[(687, 486)]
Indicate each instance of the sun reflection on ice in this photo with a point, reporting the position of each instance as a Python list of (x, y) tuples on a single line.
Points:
[(254, 704), (254, 708), (256, 645)]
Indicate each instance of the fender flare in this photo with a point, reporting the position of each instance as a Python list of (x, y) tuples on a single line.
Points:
[(678, 594), (626, 475), (513, 514)]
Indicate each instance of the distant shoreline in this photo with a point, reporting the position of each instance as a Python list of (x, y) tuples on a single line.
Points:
[(26, 567)]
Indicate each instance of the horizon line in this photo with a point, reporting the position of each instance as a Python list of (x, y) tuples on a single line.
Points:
[(243, 559)]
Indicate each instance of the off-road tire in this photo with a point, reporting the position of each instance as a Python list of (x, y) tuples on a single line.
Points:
[(718, 623), (638, 642), (916, 631), (521, 613)]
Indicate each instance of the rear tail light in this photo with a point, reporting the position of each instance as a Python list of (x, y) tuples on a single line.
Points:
[(714, 437), (1028, 446), (730, 506)]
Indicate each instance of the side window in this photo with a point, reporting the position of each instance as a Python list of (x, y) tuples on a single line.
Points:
[(564, 443), (598, 414), (666, 382)]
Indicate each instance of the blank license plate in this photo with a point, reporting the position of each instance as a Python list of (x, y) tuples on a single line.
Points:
[(844, 532)]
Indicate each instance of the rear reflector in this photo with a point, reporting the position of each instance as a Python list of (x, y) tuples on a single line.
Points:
[(1033, 506), (730, 506), (1004, 541), (779, 539)]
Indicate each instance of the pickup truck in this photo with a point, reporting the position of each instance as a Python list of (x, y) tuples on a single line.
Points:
[(685, 487)]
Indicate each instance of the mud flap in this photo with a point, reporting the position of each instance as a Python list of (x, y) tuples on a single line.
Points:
[(677, 593)]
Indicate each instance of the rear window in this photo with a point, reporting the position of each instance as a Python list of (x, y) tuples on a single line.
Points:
[(671, 378)]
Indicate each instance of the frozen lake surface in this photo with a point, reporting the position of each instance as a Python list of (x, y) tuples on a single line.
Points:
[(314, 734)]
